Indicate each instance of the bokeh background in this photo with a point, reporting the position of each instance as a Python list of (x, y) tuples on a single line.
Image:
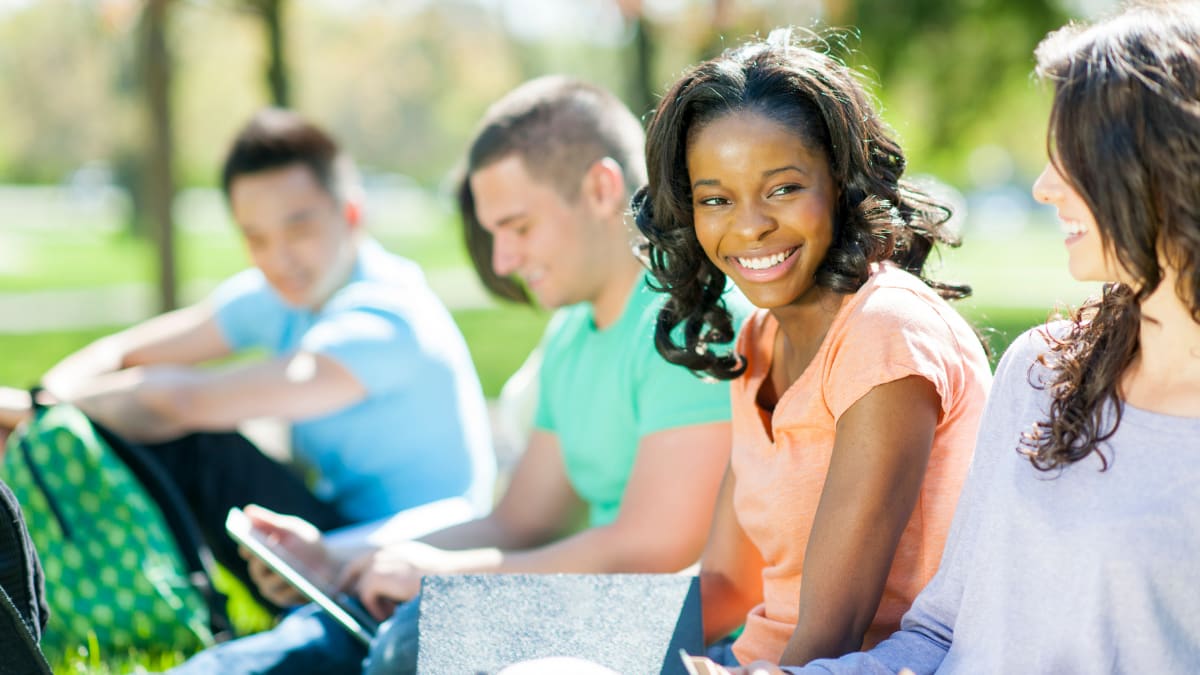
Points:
[(115, 114)]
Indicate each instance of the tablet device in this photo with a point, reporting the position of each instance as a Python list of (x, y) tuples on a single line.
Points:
[(344, 609)]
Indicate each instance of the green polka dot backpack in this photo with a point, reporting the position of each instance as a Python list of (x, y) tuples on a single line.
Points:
[(124, 565)]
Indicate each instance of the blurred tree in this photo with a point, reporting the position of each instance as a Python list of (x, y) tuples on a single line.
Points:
[(954, 73), (271, 13), (277, 71), (642, 85), (156, 67), (949, 63), (55, 92), (662, 44)]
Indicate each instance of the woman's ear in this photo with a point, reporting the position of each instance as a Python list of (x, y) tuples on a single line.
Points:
[(604, 187)]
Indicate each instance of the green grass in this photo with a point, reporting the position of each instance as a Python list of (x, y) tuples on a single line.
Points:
[(499, 340), (999, 326), (1027, 271), (95, 662), (31, 262), (52, 241), (26, 357)]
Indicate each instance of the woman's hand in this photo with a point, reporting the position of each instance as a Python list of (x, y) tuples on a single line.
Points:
[(759, 668), (704, 666), (756, 668)]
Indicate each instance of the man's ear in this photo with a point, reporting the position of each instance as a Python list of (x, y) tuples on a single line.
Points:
[(604, 187), (352, 211)]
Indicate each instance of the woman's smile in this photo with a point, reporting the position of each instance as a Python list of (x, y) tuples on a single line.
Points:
[(766, 267)]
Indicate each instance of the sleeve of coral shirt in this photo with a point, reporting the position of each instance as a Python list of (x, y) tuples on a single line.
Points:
[(904, 335)]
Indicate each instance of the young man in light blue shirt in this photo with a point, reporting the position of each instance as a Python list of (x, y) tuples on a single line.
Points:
[(361, 357)]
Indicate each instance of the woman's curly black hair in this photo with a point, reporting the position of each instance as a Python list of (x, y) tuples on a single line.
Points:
[(799, 84), (1125, 134)]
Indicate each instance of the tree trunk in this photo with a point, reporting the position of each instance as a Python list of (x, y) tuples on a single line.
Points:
[(277, 71), (160, 180), (643, 86)]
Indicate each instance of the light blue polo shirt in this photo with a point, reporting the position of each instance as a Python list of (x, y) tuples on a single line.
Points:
[(421, 434)]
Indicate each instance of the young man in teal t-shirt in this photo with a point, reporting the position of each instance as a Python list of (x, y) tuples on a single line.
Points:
[(638, 444)]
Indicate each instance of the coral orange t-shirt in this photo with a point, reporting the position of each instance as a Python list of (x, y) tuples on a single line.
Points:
[(893, 327)]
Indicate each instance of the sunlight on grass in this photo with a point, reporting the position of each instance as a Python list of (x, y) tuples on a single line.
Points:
[(92, 661)]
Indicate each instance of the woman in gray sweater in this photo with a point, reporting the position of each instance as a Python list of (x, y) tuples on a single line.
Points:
[(1076, 543)]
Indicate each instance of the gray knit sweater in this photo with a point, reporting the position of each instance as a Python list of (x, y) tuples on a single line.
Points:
[(1078, 571)]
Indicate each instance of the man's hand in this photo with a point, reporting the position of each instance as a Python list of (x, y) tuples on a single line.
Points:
[(382, 579), (302, 542), (15, 407)]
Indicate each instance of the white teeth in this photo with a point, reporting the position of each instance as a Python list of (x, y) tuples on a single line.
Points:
[(765, 261), (1073, 227)]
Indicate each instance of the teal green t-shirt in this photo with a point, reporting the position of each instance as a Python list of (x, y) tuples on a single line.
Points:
[(601, 391)]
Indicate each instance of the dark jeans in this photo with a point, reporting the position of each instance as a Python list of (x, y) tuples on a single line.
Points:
[(309, 642), (306, 642), (218, 471), (721, 652)]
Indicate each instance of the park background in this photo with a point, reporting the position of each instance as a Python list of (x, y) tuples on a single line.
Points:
[(116, 114)]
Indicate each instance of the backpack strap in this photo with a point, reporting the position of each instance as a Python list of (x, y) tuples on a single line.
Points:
[(35, 393), (35, 472), (19, 647), (23, 611), (37, 409), (20, 570), (197, 556)]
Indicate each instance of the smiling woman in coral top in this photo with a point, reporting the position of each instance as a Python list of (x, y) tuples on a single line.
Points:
[(857, 389)]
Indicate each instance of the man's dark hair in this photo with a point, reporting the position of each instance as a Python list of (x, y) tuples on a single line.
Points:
[(276, 138)]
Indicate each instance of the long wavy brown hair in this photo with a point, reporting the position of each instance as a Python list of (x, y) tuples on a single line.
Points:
[(1125, 134)]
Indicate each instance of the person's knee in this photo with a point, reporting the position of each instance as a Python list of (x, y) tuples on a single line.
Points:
[(394, 649)]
